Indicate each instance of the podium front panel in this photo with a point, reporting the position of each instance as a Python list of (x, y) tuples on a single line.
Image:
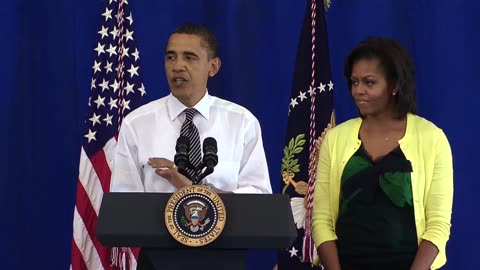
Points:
[(253, 221)]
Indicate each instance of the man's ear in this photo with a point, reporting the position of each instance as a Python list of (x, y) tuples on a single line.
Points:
[(215, 65)]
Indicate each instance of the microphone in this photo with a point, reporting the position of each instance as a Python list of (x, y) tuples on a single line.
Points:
[(210, 158), (181, 159)]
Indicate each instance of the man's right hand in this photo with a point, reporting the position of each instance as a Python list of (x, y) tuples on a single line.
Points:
[(167, 169)]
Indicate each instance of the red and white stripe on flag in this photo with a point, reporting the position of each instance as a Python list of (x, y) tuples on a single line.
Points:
[(116, 90)]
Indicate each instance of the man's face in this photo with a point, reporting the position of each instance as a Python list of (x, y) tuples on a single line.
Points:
[(188, 66)]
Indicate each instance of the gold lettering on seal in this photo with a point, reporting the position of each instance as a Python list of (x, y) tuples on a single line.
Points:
[(214, 227)]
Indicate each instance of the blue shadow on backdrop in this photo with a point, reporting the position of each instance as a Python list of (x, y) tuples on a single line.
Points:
[(47, 54)]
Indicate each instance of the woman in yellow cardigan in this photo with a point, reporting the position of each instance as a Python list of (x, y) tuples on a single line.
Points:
[(384, 188)]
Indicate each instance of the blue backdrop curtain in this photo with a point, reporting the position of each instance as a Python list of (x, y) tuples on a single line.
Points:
[(46, 58)]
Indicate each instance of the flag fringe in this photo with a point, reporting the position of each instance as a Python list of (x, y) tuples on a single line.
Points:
[(120, 258)]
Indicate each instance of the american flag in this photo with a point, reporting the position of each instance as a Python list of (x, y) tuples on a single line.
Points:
[(116, 90)]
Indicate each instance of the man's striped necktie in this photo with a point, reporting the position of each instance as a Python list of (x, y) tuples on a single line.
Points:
[(190, 131)]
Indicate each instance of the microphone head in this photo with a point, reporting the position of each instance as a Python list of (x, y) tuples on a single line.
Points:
[(209, 145), (183, 144), (181, 157), (210, 158)]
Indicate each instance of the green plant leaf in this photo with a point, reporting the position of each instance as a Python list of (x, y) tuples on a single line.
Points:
[(299, 137), (291, 144), (296, 168), (297, 150), (301, 142), (294, 161)]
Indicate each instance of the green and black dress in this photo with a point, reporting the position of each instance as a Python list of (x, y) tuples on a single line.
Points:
[(376, 224)]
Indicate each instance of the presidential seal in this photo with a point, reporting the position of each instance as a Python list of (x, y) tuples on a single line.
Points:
[(195, 215)]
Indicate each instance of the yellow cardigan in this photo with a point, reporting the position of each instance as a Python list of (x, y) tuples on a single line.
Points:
[(427, 148)]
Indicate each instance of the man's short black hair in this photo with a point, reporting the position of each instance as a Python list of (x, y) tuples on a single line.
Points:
[(209, 41)]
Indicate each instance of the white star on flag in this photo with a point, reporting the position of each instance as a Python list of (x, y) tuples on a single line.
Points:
[(108, 119), (95, 119), (99, 49), (91, 135), (113, 103), (133, 71), (293, 102), (142, 90), (129, 88), (114, 32), (103, 32), (126, 105), (108, 67), (322, 87), (99, 101), (112, 50), (330, 86), (107, 14), (130, 19), (136, 54), (104, 85), (96, 67), (293, 251), (115, 85), (128, 35), (125, 51), (302, 96)]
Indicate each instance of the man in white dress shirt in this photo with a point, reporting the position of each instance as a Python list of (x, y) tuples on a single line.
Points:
[(146, 143)]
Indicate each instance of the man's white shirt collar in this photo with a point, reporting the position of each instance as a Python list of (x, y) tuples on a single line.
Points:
[(176, 107)]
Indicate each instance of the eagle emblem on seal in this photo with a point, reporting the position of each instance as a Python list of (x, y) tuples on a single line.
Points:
[(195, 212)]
